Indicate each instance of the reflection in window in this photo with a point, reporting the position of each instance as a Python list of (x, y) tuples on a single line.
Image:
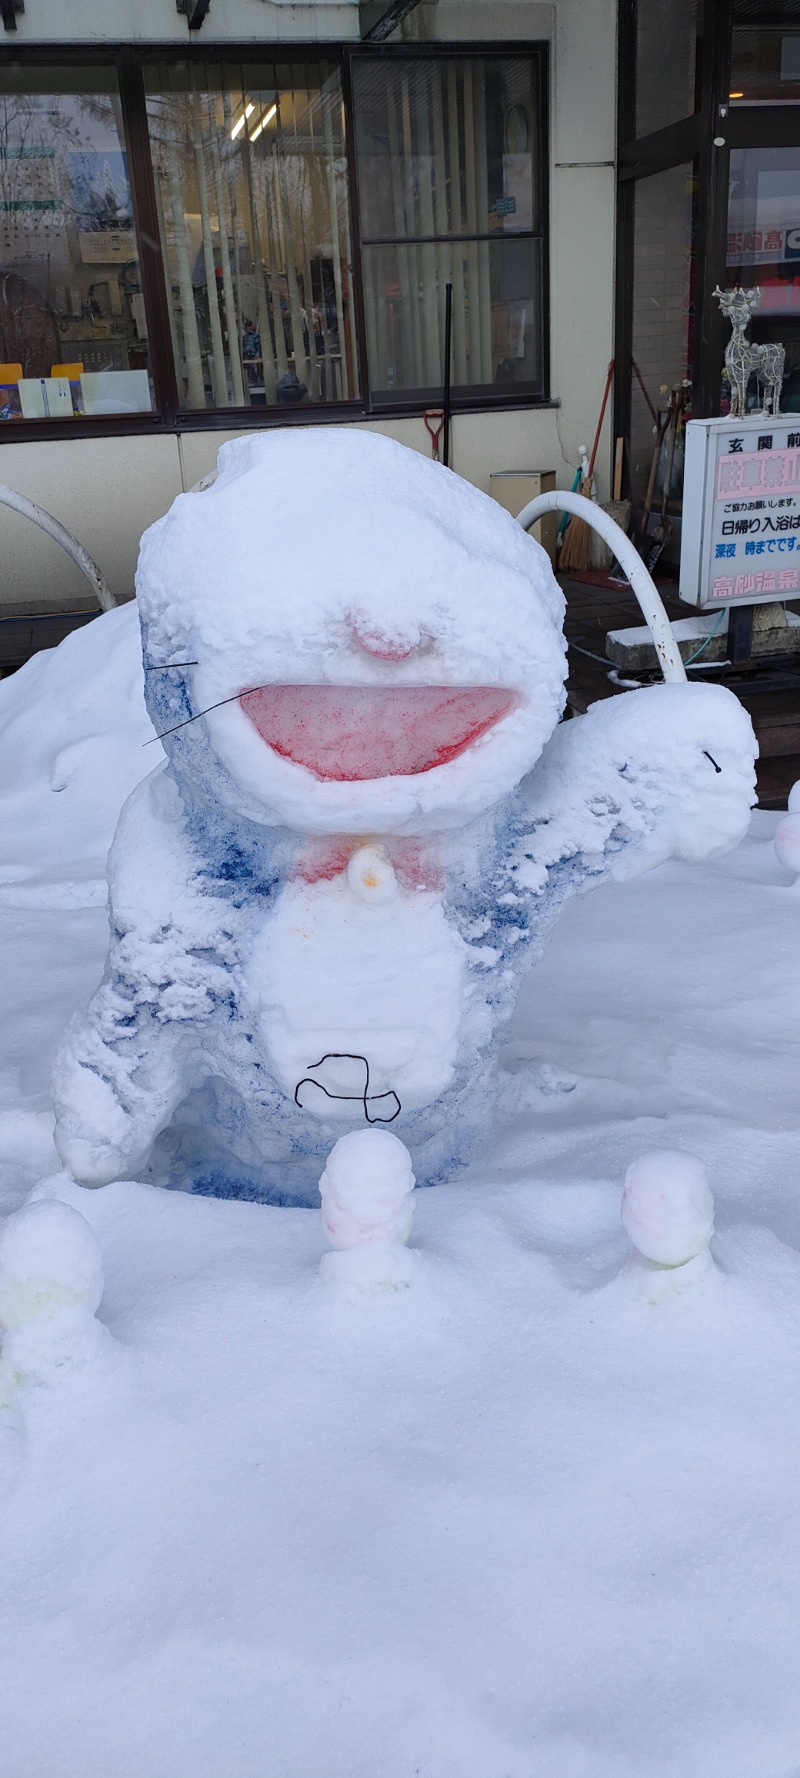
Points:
[(764, 249), (73, 335), (663, 314), (766, 62), (449, 192), (666, 39), (251, 189)]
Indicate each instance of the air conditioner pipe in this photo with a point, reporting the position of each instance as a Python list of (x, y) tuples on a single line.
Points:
[(626, 553), (60, 534)]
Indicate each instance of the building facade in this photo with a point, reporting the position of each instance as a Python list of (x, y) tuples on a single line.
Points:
[(247, 214)]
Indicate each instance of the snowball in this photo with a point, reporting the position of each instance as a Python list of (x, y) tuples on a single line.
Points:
[(667, 1206), (787, 837), (367, 1190), (51, 1282), (49, 1256)]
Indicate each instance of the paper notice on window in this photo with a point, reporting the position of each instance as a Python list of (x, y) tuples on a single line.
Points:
[(520, 316), (139, 317), (108, 246), (517, 188), (45, 398)]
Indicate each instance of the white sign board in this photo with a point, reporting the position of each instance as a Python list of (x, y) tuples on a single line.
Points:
[(740, 541)]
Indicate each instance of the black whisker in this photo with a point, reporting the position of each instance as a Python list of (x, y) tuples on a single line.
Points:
[(218, 706), (168, 666), (713, 761)]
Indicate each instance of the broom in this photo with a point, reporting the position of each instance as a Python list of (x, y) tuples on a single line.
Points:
[(576, 547)]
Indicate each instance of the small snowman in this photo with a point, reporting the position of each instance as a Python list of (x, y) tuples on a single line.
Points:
[(51, 1282), (367, 1192), (668, 1211), (787, 835)]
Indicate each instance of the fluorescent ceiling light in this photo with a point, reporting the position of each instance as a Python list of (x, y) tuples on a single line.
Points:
[(262, 123), (238, 127)]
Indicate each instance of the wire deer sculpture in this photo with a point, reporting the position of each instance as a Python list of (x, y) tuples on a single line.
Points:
[(742, 357)]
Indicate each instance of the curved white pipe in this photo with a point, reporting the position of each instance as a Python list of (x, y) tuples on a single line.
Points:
[(562, 500), (60, 534)]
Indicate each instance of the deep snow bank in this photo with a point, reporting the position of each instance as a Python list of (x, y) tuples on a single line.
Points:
[(72, 732)]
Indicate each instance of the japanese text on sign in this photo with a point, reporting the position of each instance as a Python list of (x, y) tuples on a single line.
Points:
[(755, 513)]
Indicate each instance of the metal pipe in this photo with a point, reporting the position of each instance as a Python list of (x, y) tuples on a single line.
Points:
[(60, 534), (448, 363), (560, 500)]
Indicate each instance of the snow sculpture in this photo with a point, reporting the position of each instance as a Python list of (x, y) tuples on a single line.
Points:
[(667, 1206), (323, 905), (51, 1282), (787, 834)]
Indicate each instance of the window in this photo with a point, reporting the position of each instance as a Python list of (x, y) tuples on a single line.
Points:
[(664, 270), (450, 179), (250, 175), (764, 249), (666, 40), (765, 64), (178, 237), (73, 334)]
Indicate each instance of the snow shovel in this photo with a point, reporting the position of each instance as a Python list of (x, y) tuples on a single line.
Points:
[(653, 543), (646, 542)]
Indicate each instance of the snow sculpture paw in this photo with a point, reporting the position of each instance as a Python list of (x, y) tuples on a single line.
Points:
[(323, 906)]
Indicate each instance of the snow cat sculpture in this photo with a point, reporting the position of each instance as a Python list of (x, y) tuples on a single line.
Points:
[(323, 904)]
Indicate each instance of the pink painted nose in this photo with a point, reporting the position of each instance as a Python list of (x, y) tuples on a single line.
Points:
[(385, 644)]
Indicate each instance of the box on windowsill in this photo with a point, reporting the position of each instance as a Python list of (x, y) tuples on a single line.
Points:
[(513, 488)]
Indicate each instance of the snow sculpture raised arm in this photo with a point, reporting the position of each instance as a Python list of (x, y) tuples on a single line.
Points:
[(323, 905)]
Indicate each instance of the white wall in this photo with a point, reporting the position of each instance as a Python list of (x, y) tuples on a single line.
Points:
[(158, 21), (108, 491)]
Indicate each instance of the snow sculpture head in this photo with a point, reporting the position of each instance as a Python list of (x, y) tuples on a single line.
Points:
[(378, 647)]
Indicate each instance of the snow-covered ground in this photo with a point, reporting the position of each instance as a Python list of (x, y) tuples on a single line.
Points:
[(514, 1521)]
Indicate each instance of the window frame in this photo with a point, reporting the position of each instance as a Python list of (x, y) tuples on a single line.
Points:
[(167, 416)]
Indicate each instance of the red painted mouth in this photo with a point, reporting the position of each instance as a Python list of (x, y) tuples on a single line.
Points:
[(352, 732)]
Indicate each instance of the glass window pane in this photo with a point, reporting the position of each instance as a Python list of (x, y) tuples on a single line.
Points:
[(73, 332), (663, 311), (666, 58), (450, 192), (445, 148), (496, 323), (764, 250), (767, 61), (250, 177)]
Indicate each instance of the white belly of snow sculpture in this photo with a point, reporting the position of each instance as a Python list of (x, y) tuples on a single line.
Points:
[(359, 1001)]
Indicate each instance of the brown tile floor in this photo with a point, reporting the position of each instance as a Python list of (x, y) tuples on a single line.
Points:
[(770, 692)]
